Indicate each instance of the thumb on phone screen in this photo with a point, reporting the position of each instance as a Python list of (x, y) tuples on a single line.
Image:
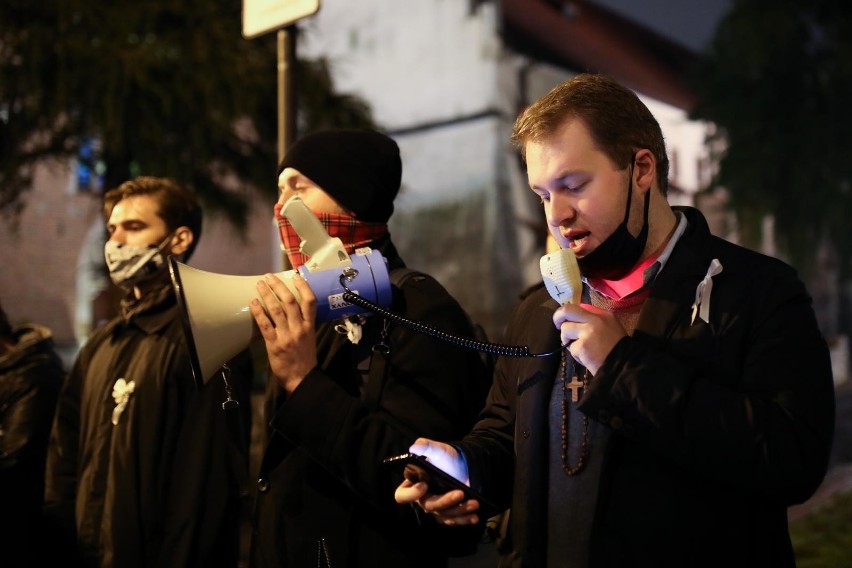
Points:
[(443, 456)]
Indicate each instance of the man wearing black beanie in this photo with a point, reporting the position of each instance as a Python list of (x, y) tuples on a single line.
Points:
[(360, 169), (350, 392)]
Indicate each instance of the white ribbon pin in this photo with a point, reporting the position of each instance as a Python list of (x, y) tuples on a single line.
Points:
[(350, 329), (701, 307), (121, 392)]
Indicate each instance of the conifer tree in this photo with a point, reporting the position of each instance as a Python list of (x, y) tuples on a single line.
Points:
[(777, 82)]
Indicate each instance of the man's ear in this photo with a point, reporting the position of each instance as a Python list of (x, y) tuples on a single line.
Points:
[(181, 240), (644, 169)]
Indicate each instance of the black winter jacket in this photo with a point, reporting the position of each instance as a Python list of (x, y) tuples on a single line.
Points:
[(717, 426), (31, 375), (160, 486), (324, 498)]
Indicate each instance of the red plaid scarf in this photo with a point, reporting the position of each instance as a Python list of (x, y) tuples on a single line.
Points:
[(353, 233)]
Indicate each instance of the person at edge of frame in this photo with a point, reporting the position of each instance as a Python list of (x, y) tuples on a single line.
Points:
[(31, 374)]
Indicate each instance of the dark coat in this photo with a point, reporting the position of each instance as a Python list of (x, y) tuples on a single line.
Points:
[(322, 487), (162, 486), (717, 427), (31, 375)]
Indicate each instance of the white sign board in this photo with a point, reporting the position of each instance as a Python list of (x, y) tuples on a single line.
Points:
[(261, 16)]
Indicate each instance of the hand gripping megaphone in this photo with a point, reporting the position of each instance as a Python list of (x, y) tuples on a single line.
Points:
[(215, 310)]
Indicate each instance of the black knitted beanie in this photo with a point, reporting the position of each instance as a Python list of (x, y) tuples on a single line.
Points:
[(360, 169)]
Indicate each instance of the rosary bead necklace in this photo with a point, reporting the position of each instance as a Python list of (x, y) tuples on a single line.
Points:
[(575, 386)]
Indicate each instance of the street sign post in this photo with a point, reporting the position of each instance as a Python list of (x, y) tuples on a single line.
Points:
[(261, 16)]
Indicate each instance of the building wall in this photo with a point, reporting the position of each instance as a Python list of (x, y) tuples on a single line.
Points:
[(430, 71), (415, 61), (39, 258)]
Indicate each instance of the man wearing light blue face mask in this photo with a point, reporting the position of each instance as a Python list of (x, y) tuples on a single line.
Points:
[(143, 469), (131, 264)]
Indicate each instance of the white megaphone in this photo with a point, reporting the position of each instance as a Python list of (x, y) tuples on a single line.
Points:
[(215, 310)]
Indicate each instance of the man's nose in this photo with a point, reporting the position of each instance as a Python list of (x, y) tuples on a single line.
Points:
[(118, 236), (284, 194), (562, 209)]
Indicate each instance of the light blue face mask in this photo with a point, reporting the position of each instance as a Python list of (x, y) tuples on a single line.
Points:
[(130, 265)]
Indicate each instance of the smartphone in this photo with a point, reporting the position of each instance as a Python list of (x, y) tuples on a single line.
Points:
[(418, 468)]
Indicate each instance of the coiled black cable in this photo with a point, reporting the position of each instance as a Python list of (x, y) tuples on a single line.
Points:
[(466, 342)]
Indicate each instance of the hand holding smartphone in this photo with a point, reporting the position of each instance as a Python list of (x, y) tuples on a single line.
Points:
[(418, 468)]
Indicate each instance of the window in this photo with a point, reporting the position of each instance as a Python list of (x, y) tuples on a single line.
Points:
[(90, 167)]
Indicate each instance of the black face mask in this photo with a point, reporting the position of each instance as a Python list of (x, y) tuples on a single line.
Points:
[(614, 257)]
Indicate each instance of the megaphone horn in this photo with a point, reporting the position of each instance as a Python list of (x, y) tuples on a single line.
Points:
[(215, 310)]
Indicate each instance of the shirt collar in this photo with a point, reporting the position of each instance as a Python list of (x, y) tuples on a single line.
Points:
[(644, 273)]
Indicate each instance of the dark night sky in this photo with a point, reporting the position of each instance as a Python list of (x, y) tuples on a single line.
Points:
[(689, 22)]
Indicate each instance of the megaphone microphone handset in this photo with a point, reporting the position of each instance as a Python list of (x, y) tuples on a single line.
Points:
[(561, 275), (324, 251)]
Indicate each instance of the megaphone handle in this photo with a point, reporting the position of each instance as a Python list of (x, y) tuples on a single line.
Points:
[(230, 403)]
